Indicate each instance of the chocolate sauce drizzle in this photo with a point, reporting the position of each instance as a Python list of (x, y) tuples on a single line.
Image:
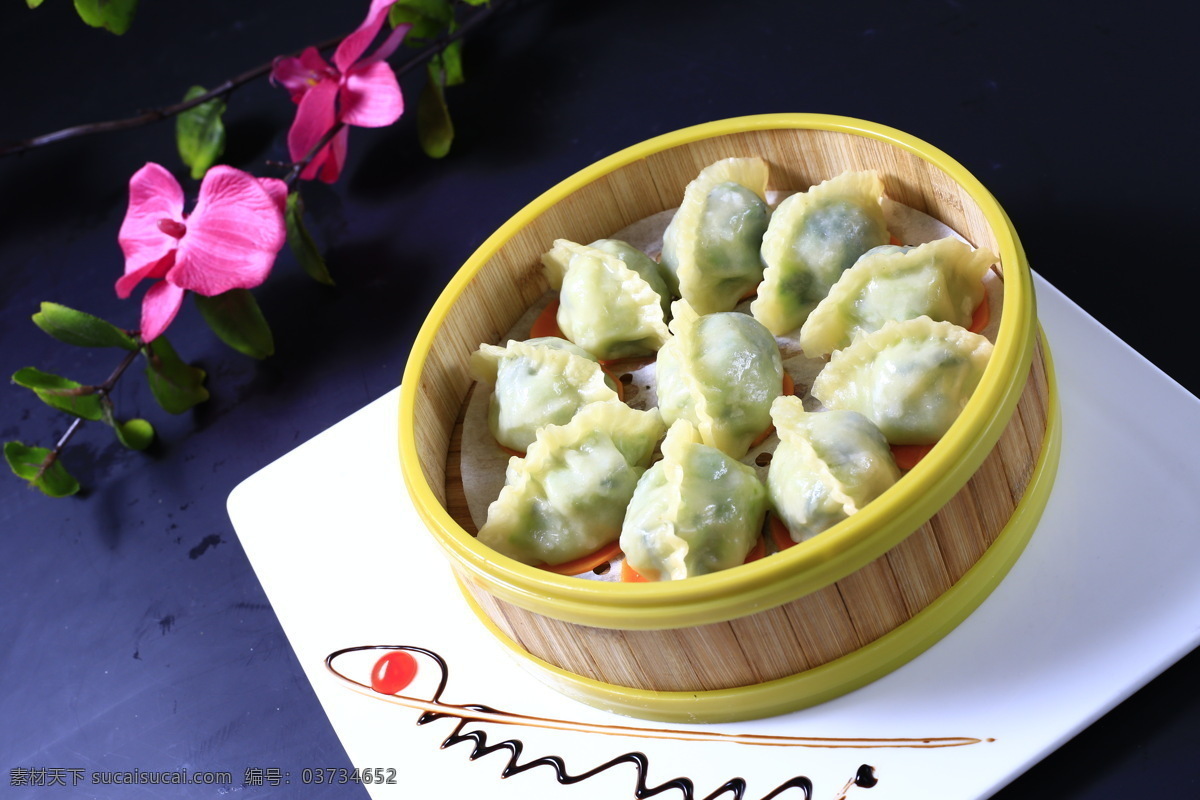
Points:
[(865, 777), (734, 788)]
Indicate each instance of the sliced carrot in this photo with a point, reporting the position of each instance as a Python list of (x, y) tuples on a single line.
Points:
[(631, 575), (780, 536), (546, 323), (908, 456), (758, 551), (893, 240), (762, 437), (586, 563), (982, 315)]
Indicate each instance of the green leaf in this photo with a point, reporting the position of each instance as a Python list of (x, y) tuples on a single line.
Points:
[(112, 15), (176, 386), (200, 133), (29, 463), (448, 64), (434, 127), (429, 18), (477, 2), (301, 241), (33, 3), (84, 330), (236, 318), (61, 393), (136, 434)]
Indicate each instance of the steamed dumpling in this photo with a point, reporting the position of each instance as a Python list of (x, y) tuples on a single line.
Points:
[(942, 280), (711, 246), (566, 498), (536, 383), (604, 307), (720, 372), (828, 465), (694, 512), (911, 378), (813, 237), (651, 271)]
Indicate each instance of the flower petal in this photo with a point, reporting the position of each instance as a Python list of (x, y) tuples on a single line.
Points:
[(152, 269), (334, 156), (233, 235), (370, 96), (159, 307), (277, 190), (354, 45), (329, 162), (389, 44), (154, 194), (298, 75), (315, 115)]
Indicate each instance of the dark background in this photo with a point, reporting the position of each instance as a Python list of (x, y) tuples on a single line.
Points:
[(134, 634)]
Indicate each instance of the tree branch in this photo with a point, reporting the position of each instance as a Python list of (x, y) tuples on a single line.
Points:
[(421, 56), (224, 89), (298, 167), (103, 390), (154, 114)]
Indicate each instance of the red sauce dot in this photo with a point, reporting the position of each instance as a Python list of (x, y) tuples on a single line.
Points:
[(393, 672)]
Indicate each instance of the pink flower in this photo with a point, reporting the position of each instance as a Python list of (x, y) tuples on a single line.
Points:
[(229, 241), (354, 90)]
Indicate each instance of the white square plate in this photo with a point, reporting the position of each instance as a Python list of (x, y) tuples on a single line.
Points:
[(1103, 599)]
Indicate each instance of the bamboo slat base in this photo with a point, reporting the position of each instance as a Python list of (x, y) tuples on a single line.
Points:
[(814, 629)]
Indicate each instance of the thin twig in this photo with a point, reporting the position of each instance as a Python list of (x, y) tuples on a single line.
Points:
[(154, 114), (298, 167), (107, 387), (225, 89), (62, 442), (423, 55), (104, 390), (448, 39)]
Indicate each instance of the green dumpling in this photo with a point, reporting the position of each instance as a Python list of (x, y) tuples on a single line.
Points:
[(536, 383), (605, 307), (813, 237), (711, 246), (566, 498), (720, 372), (911, 378), (828, 465), (694, 512), (942, 280), (651, 271)]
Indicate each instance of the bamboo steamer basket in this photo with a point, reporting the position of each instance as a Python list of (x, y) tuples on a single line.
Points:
[(820, 618)]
